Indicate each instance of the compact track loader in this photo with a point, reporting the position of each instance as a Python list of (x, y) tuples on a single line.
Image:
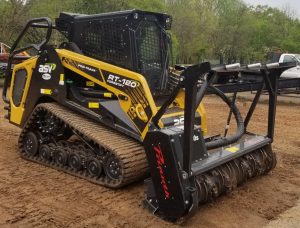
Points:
[(106, 106)]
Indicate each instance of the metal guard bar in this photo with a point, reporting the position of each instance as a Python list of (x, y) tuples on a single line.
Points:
[(47, 23)]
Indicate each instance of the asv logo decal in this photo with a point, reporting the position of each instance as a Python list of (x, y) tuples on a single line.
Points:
[(47, 68), (179, 121)]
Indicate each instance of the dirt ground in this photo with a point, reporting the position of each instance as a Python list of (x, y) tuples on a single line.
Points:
[(35, 196)]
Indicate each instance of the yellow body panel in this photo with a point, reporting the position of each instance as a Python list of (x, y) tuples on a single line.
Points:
[(17, 111), (126, 105), (133, 111)]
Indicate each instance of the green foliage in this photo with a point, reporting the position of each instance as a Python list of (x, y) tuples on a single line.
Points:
[(226, 30), (149, 5), (13, 14)]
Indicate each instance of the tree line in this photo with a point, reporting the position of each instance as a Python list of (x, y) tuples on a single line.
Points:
[(221, 30)]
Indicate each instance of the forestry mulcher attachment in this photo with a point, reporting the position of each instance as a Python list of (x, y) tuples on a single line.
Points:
[(106, 106)]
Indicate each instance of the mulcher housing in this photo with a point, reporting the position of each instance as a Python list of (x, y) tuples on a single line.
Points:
[(106, 106)]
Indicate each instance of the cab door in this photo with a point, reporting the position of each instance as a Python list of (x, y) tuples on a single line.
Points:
[(18, 90)]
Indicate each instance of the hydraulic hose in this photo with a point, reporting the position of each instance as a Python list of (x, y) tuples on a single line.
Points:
[(239, 120)]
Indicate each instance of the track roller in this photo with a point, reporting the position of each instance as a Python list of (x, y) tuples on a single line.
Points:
[(61, 157), (94, 167), (75, 161), (45, 152)]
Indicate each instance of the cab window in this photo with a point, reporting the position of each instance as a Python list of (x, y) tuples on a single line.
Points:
[(288, 59)]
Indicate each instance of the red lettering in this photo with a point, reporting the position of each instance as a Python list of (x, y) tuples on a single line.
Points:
[(160, 162), (159, 156)]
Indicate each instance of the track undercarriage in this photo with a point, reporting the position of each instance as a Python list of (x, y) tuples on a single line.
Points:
[(96, 153)]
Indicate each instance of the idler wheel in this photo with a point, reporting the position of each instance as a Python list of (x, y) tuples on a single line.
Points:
[(61, 157), (30, 144), (94, 167), (113, 168), (45, 152), (75, 161)]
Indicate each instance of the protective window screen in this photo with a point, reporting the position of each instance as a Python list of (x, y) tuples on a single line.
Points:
[(149, 52), (105, 41)]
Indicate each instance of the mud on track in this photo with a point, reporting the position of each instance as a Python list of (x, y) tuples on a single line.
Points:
[(35, 196)]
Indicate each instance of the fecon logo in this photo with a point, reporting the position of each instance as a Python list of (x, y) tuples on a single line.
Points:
[(160, 162)]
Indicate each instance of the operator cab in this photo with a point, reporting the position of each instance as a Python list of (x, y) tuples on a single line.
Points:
[(133, 39)]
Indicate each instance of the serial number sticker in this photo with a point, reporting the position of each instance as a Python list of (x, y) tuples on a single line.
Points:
[(46, 91), (233, 149), (90, 83), (94, 105)]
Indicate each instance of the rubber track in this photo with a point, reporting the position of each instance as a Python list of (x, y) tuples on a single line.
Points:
[(130, 152)]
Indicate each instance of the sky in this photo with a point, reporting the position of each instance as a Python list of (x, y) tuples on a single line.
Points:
[(294, 5)]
